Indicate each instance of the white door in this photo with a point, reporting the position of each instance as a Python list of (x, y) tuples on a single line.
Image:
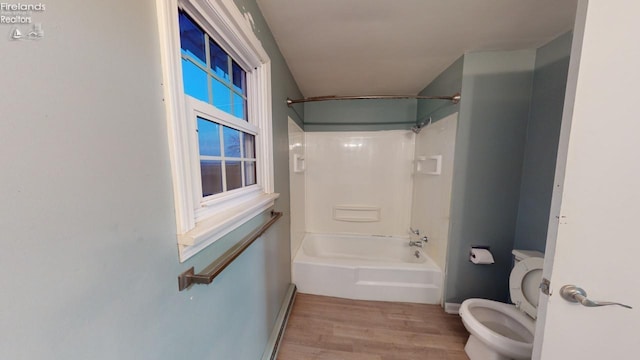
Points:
[(596, 237)]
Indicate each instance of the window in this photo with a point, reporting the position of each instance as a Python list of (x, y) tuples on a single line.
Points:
[(227, 158), (217, 93), (226, 152), (209, 73)]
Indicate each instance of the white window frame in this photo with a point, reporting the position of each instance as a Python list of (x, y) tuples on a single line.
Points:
[(200, 223)]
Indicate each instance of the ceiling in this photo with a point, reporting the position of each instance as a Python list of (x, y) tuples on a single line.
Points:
[(385, 47)]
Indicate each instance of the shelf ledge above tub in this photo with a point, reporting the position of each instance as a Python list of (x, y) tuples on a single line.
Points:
[(356, 213)]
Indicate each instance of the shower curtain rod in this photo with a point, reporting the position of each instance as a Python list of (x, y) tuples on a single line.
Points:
[(455, 98)]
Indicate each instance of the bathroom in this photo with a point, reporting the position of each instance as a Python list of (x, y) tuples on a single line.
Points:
[(478, 173), (90, 247), (497, 171)]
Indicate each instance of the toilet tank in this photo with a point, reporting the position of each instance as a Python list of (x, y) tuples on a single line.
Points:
[(519, 255)]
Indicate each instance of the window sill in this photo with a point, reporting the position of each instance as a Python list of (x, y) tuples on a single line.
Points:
[(215, 227)]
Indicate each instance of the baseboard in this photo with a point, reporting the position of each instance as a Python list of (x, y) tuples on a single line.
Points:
[(451, 308), (273, 345)]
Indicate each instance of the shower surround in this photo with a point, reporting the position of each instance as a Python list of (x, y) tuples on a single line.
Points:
[(362, 192)]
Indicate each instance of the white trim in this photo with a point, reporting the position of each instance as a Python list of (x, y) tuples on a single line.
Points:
[(273, 344), (202, 109), (199, 223), (214, 228), (263, 115), (176, 130), (452, 308), (225, 201), (197, 108)]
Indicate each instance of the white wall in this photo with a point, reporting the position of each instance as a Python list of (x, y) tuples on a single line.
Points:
[(593, 233), (432, 193), (297, 186), (359, 169)]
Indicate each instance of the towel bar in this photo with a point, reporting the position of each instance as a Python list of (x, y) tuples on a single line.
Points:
[(209, 273)]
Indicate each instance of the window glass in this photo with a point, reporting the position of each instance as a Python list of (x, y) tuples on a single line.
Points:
[(232, 142), (194, 80), (249, 173), (239, 79), (249, 146), (239, 106), (234, 174), (211, 171), (221, 96), (191, 38), (219, 61), (208, 137)]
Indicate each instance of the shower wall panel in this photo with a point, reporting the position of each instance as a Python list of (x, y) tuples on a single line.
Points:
[(359, 182), (435, 145), (297, 164)]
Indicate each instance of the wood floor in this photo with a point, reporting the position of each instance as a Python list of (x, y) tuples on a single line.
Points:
[(326, 328)]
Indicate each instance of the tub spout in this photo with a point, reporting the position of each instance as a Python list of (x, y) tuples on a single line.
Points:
[(417, 243)]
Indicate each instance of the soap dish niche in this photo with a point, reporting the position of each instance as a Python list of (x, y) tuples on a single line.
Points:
[(429, 164)]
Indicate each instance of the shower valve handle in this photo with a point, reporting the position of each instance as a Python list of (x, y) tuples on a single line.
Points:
[(416, 231)]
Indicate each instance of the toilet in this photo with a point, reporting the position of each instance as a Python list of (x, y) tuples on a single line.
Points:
[(500, 331)]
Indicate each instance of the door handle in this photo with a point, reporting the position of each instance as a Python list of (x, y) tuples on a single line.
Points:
[(574, 294)]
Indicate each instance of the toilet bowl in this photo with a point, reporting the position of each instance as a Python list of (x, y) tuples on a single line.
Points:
[(500, 331), (507, 329)]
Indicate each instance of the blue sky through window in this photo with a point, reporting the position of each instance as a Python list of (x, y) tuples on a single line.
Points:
[(232, 142), (209, 137), (239, 79), (219, 61), (194, 80), (238, 106), (191, 38), (223, 83), (221, 96)]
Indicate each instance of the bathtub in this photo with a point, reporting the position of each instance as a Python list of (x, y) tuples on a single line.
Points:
[(366, 268)]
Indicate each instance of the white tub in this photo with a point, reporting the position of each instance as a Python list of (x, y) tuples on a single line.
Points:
[(366, 268)]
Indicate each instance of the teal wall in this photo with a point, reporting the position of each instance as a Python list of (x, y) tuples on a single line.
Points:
[(492, 123), (547, 101), (365, 115), (89, 256), (359, 115), (508, 127), (448, 82)]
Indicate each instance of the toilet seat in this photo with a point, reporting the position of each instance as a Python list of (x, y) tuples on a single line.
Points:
[(524, 287)]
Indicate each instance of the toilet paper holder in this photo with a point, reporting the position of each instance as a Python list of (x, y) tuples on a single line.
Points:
[(486, 260)]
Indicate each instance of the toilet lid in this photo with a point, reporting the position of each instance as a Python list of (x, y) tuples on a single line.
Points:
[(524, 284)]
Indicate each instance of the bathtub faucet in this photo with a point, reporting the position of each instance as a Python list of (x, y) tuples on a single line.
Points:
[(418, 243)]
